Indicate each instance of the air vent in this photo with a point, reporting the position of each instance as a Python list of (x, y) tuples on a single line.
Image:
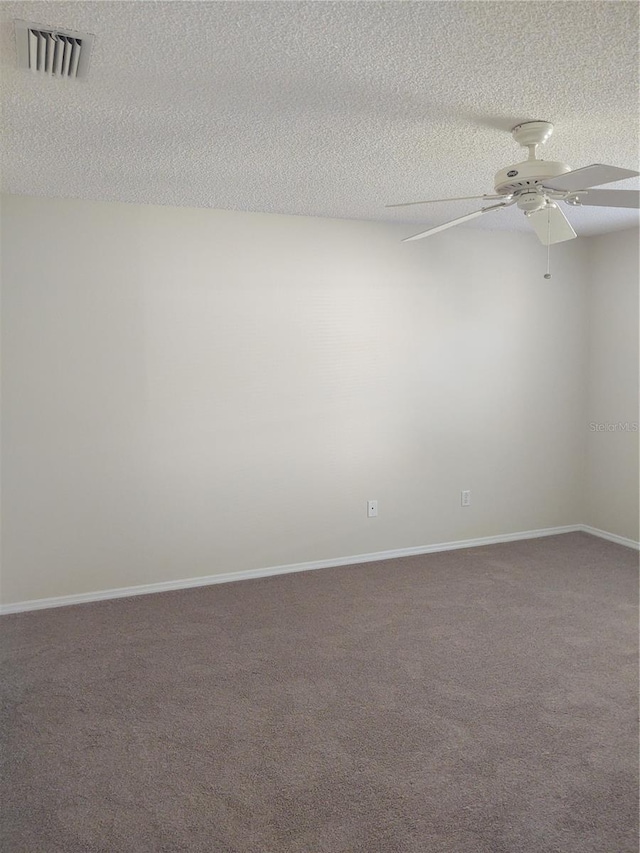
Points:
[(53, 52)]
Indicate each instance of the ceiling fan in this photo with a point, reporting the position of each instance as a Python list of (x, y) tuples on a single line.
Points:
[(537, 186)]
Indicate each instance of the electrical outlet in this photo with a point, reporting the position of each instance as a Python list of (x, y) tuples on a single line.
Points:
[(465, 498), (372, 509)]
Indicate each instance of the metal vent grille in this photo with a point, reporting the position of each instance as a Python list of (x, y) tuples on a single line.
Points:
[(53, 52)]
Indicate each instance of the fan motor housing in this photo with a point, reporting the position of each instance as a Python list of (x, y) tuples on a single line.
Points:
[(529, 173)]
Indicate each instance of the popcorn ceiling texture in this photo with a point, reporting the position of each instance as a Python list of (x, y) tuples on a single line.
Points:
[(320, 108)]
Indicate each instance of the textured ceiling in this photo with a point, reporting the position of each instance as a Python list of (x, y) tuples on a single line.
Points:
[(319, 108)]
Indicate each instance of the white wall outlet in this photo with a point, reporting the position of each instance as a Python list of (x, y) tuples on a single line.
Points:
[(372, 509), (465, 498)]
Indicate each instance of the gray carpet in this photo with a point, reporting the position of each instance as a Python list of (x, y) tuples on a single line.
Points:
[(476, 701)]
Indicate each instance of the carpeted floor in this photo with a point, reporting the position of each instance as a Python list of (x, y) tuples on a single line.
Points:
[(476, 701)]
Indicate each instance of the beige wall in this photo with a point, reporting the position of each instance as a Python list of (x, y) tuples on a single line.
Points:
[(189, 392), (612, 460)]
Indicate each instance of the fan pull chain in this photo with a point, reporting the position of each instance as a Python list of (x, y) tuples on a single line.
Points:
[(547, 275)]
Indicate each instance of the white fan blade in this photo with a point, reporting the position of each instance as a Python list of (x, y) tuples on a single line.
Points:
[(610, 198), (590, 176), (453, 222), (435, 200), (551, 225)]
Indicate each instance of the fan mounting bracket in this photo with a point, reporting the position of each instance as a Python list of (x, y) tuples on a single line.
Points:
[(532, 133)]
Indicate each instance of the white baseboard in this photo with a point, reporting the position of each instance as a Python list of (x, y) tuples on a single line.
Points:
[(165, 586), (611, 537)]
